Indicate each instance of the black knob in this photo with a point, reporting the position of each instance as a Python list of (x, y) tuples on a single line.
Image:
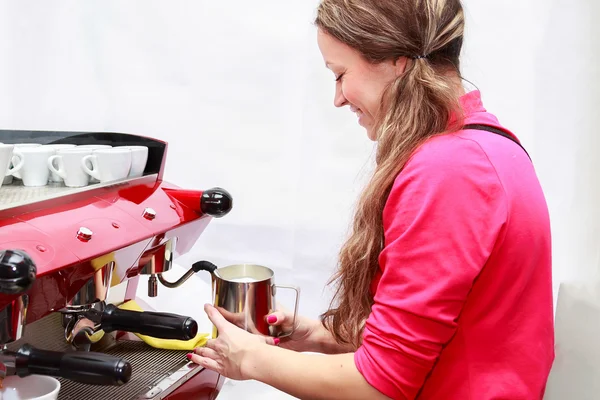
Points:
[(190, 328), (216, 202), (123, 371), (17, 272)]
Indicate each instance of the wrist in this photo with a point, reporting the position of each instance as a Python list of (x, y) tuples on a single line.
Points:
[(320, 340), (313, 341), (325, 343), (251, 364)]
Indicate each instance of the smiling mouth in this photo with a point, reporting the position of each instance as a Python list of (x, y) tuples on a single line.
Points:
[(356, 111)]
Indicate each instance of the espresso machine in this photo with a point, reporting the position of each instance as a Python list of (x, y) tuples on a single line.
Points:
[(71, 256)]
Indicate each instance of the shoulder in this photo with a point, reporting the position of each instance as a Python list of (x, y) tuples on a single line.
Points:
[(448, 147), (448, 178), (448, 196), (442, 160)]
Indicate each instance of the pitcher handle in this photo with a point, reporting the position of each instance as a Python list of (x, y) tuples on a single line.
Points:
[(297, 290)]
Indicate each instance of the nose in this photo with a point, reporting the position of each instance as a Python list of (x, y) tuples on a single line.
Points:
[(339, 100)]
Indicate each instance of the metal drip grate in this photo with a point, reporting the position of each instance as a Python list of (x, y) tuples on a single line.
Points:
[(15, 194), (149, 365)]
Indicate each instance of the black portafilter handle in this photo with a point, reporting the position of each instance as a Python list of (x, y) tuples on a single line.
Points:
[(17, 272), (216, 202), (79, 366), (153, 324)]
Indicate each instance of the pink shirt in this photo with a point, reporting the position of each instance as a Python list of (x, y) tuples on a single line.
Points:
[(463, 303)]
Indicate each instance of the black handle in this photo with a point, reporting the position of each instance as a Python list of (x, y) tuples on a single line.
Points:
[(154, 324), (79, 366), (17, 272), (216, 202), (204, 266)]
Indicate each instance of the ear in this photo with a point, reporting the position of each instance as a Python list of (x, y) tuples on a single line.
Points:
[(400, 65)]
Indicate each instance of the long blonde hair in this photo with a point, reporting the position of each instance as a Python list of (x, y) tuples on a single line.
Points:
[(415, 107)]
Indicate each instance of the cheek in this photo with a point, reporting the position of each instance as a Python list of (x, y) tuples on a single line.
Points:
[(362, 94), (351, 92)]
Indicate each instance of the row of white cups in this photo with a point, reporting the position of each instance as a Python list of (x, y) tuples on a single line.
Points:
[(74, 165)]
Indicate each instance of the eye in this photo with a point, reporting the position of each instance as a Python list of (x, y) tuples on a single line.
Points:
[(339, 77)]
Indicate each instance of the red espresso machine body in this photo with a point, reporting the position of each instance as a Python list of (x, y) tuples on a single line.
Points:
[(83, 242)]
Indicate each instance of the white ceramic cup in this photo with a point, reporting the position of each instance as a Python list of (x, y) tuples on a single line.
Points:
[(94, 147), (139, 158), (35, 170), (22, 146), (108, 165), (54, 177), (7, 154), (32, 387), (67, 165)]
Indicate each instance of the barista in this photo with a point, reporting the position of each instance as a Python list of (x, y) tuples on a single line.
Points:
[(444, 285)]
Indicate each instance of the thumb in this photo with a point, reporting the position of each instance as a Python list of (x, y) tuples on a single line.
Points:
[(276, 318), (215, 316)]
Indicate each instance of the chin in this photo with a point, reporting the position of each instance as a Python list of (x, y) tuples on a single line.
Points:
[(371, 134)]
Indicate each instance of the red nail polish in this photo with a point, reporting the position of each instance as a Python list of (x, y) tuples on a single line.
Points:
[(271, 319), (189, 356), (276, 340)]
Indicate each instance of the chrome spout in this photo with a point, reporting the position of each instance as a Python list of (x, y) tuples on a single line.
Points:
[(196, 267)]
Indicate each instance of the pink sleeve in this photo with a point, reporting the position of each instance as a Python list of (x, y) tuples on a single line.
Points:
[(441, 221)]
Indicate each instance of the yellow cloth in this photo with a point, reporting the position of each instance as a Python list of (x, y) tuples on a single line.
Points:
[(167, 344), (96, 337)]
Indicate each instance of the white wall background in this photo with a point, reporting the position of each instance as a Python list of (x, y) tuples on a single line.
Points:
[(239, 91)]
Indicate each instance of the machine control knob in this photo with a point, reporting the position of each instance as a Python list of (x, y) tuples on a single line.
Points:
[(84, 234), (149, 214), (216, 202), (17, 272)]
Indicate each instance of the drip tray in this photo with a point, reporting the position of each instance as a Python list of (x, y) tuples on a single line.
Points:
[(149, 365), (155, 372)]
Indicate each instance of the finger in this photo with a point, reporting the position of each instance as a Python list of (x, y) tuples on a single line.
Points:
[(276, 318), (229, 316), (206, 352), (206, 363), (237, 319), (215, 316), (272, 341), (211, 344)]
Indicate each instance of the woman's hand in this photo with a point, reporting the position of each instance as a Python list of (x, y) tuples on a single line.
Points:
[(304, 334), (226, 354)]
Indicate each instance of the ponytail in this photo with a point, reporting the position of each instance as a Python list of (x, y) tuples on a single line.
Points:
[(416, 106)]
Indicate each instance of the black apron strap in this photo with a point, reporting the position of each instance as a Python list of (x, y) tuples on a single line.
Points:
[(497, 131)]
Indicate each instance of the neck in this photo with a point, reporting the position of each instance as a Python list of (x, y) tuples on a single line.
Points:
[(457, 83)]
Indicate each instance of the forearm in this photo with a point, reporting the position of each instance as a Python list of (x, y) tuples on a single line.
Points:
[(309, 376)]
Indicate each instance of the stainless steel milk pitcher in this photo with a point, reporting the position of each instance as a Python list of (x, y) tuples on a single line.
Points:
[(246, 294)]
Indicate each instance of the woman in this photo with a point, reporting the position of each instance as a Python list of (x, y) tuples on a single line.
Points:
[(444, 286)]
